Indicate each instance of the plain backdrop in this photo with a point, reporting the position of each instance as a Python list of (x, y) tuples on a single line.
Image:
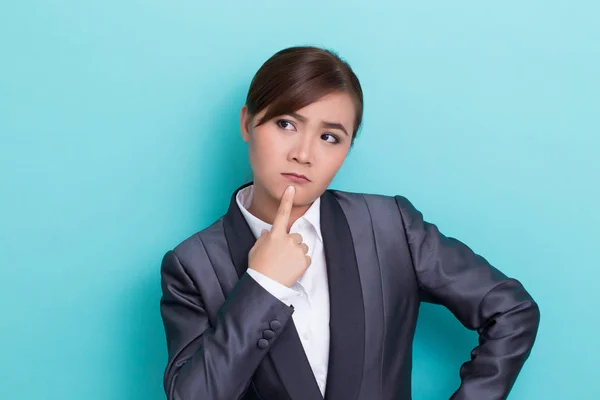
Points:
[(119, 138)]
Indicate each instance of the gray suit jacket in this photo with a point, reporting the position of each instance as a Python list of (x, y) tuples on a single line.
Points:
[(228, 338)]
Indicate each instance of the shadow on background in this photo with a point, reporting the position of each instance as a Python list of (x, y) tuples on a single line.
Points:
[(143, 357), (441, 340), (228, 166), (144, 352)]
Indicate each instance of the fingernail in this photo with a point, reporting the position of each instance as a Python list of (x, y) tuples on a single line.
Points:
[(290, 189)]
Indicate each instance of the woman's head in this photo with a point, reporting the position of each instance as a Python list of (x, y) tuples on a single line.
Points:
[(302, 113)]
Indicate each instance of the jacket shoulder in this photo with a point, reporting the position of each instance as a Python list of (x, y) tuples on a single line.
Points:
[(396, 200), (194, 245), (382, 209)]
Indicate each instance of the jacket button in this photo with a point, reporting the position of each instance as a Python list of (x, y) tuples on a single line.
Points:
[(268, 334), (275, 325), (263, 343)]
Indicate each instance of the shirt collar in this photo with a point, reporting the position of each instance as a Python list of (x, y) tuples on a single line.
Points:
[(244, 200)]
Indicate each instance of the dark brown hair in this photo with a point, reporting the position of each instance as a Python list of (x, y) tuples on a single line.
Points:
[(298, 76)]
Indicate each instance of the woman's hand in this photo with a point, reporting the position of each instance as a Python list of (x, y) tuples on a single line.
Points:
[(278, 254)]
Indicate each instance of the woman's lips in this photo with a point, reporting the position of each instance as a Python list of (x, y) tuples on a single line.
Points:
[(296, 178)]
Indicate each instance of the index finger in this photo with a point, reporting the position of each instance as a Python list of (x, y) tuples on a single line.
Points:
[(283, 212)]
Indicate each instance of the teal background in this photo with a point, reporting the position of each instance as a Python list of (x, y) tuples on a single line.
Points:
[(119, 138)]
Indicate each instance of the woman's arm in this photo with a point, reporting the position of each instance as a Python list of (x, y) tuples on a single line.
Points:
[(482, 298), (215, 362)]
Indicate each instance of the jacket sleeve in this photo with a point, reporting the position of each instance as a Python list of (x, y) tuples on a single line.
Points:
[(482, 298), (215, 361)]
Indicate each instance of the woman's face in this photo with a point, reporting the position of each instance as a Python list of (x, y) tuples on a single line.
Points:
[(313, 141)]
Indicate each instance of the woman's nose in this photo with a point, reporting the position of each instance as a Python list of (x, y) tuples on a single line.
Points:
[(302, 151)]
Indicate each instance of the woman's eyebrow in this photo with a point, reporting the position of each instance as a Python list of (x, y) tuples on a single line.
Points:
[(335, 125), (299, 117), (326, 124)]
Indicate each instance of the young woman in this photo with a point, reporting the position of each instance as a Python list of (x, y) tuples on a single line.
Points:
[(300, 292)]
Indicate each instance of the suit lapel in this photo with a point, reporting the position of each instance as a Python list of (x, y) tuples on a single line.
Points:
[(287, 354), (347, 316), (238, 234)]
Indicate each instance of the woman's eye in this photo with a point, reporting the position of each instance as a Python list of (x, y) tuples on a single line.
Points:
[(328, 137), (285, 124)]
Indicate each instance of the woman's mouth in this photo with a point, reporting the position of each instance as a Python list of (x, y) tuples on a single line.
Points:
[(297, 178)]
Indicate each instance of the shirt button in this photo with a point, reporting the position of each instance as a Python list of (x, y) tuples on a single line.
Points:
[(306, 335)]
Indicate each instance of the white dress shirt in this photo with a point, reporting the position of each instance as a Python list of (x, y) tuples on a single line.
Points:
[(310, 294)]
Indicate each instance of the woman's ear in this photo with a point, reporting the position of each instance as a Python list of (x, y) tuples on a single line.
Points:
[(245, 121)]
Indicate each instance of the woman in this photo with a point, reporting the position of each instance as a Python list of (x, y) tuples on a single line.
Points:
[(299, 292)]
